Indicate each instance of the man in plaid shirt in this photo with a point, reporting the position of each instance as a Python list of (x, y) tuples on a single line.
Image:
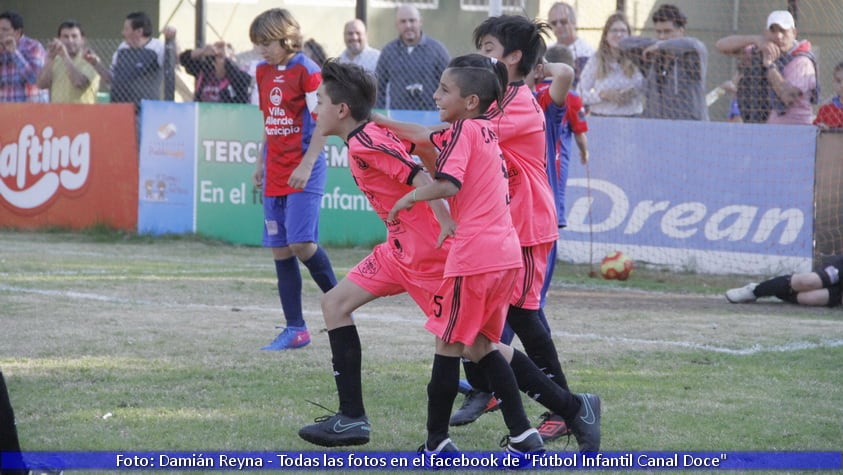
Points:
[(21, 59)]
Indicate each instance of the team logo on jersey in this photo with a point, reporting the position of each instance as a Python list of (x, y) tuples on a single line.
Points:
[(275, 96), (368, 266)]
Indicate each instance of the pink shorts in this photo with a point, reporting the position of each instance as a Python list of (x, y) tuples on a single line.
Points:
[(528, 285), (381, 274), (466, 306)]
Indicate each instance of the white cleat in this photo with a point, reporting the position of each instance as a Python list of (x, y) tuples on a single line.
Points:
[(745, 294)]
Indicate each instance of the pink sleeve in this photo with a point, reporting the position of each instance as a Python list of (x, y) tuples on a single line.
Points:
[(800, 73)]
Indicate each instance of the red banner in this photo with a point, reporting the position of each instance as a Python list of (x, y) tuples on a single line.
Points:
[(68, 165)]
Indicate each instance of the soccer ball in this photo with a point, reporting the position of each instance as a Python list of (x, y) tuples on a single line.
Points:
[(616, 266)]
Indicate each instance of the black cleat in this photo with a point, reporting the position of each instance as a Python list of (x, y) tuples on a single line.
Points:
[(476, 404), (586, 425), (337, 430)]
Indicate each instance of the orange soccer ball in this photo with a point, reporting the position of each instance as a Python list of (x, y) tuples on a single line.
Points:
[(616, 266)]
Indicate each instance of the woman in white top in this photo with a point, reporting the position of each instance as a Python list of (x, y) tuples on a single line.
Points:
[(610, 83)]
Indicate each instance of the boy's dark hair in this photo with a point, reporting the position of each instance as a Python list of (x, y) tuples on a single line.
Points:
[(480, 75), (315, 51), (559, 54), (140, 20), (69, 24), (668, 12), (14, 18), (352, 85), (515, 33)]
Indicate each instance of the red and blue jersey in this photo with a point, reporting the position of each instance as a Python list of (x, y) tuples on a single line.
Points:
[(562, 123), (289, 122)]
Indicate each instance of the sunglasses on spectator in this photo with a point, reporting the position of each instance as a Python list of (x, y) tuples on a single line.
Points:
[(562, 22)]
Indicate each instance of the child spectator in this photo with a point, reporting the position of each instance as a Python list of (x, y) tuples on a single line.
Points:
[(830, 115), (218, 78)]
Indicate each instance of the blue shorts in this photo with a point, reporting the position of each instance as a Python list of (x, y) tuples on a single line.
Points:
[(291, 219)]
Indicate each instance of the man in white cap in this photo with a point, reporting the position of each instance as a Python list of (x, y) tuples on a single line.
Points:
[(789, 68)]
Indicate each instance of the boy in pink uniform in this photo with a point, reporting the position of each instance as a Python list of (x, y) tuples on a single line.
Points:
[(517, 42), (410, 260), (468, 310)]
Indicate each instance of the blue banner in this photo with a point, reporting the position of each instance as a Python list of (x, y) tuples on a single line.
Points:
[(167, 170), (404, 461), (713, 197)]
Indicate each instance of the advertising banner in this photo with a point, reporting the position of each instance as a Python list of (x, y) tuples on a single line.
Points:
[(68, 165), (166, 186), (196, 167), (228, 205), (708, 197)]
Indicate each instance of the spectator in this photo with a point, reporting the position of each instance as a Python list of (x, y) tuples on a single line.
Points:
[(218, 78), (357, 49), (139, 65), (830, 115), (674, 65), (21, 60), (611, 84), (789, 68), (410, 66), (749, 87), (68, 75), (563, 20), (313, 50)]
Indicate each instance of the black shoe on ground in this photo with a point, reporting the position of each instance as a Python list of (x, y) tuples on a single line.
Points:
[(529, 442), (476, 403), (586, 425), (337, 430), (444, 447)]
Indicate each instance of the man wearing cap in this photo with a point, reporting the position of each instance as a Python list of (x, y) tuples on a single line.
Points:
[(789, 68)]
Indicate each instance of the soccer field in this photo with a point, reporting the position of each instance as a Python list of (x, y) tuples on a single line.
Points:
[(112, 343)]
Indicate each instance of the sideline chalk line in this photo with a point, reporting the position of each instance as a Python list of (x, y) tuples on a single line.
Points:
[(752, 350)]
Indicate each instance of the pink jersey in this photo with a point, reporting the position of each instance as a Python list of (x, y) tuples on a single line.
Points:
[(485, 238), (384, 172), (522, 139), (288, 122)]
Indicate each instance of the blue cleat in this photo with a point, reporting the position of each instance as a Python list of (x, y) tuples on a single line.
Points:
[(290, 338)]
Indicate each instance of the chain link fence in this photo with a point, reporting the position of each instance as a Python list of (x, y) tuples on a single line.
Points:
[(734, 88)]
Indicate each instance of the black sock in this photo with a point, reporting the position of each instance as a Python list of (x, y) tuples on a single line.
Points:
[(540, 388), (537, 342), (475, 376), (9, 443), (505, 387), (775, 287), (346, 361), (441, 392)]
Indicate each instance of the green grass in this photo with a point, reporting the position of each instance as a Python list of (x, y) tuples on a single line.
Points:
[(163, 335)]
